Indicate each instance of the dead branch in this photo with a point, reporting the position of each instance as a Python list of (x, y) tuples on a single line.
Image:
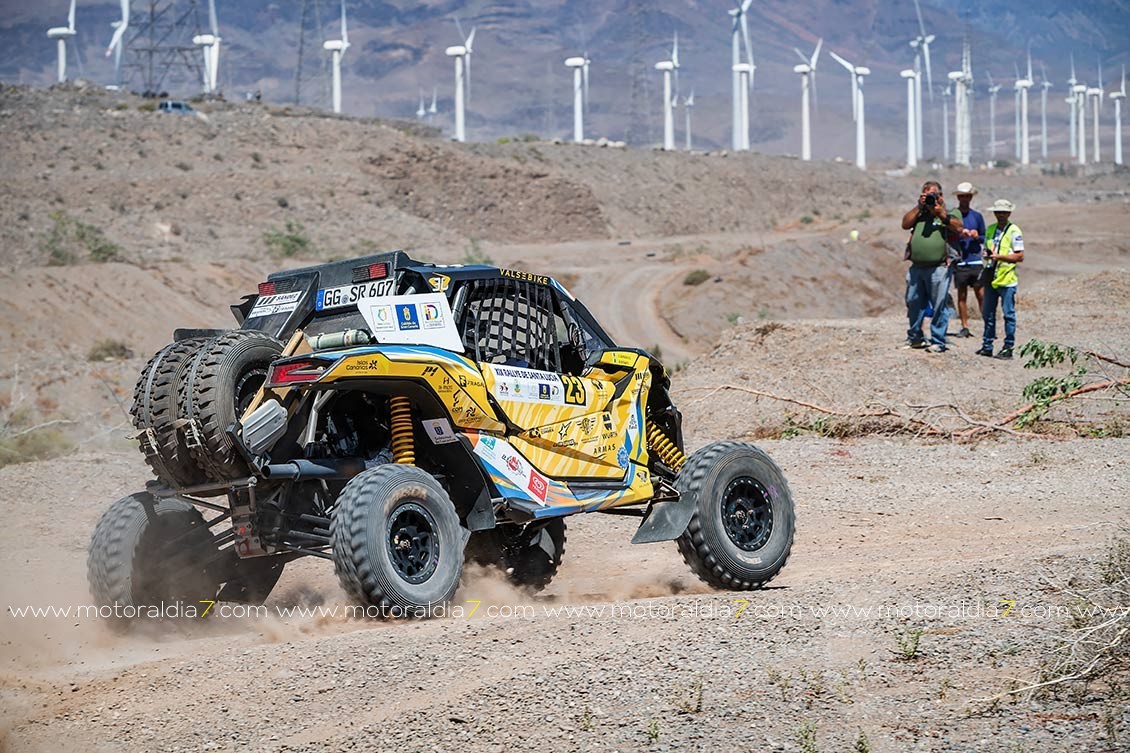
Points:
[(1095, 387), (1108, 359)]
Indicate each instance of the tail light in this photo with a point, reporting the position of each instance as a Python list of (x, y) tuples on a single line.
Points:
[(266, 288), (370, 272), (296, 372)]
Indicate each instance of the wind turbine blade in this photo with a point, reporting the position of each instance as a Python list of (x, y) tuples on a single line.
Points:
[(745, 6), (801, 55), (1073, 79), (748, 49), (816, 54), (844, 63), (71, 17), (471, 39), (212, 18), (585, 83), (1029, 64), (459, 28), (929, 73), (812, 82), (675, 50), (467, 72), (918, 10)]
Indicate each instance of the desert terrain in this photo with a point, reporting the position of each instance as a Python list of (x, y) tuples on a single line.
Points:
[(931, 569)]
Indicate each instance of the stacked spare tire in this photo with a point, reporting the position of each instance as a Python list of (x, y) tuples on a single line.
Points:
[(187, 397)]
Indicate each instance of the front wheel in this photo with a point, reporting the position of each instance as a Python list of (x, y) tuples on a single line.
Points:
[(742, 530), (397, 542)]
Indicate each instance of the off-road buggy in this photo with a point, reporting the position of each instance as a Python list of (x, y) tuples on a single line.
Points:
[(400, 418)]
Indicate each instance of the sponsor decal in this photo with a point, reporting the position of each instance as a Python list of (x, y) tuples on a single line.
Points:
[(517, 274), (543, 392), (439, 283), (563, 430), (622, 458), (504, 389), (433, 317), (538, 485), (407, 318), (512, 463), (382, 318), (279, 303), (517, 388), (633, 423), (439, 430), (488, 442), (607, 421), (587, 425)]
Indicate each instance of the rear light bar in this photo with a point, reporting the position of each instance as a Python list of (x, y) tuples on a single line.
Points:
[(370, 272), (296, 372), (266, 288)]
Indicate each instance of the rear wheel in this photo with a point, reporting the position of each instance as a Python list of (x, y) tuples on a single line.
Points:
[(147, 552), (219, 385), (529, 555), (741, 532), (397, 543)]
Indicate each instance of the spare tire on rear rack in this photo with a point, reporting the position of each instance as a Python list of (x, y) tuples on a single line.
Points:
[(216, 389)]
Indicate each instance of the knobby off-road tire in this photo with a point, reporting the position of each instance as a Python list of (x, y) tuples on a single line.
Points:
[(155, 407), (530, 558), (219, 384), (742, 529), (139, 558), (396, 542)]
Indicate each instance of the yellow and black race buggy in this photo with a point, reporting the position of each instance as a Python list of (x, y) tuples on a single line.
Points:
[(400, 418)]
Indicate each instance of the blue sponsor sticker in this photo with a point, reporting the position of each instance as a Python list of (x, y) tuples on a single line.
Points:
[(487, 442), (622, 457), (406, 317), (321, 302)]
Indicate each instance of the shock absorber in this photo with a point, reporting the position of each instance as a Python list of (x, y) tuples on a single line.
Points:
[(658, 443), (403, 447)]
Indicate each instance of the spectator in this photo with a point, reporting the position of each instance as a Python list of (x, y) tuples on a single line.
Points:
[(1004, 249), (928, 278), (967, 272)]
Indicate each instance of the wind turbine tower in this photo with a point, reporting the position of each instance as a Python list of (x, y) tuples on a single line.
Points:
[(857, 74), (946, 94), (1044, 86), (580, 95), (462, 55), (807, 71), (1080, 91), (739, 36), (668, 67), (61, 34), (1097, 98), (1025, 84), (994, 89), (911, 128), (1118, 96), (688, 106), (1071, 104), (338, 48), (743, 71)]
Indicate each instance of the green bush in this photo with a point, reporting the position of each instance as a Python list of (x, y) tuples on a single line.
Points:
[(39, 444), (289, 242), (109, 350), (696, 277), (68, 239)]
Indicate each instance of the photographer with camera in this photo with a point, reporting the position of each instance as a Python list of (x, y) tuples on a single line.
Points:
[(928, 278)]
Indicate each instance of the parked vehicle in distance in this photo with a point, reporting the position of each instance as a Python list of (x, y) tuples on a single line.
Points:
[(176, 107)]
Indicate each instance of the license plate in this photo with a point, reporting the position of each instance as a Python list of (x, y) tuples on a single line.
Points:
[(351, 295)]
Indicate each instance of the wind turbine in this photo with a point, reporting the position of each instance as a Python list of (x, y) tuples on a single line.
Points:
[(923, 42), (1097, 97), (688, 105), (338, 48), (210, 46), (1080, 91), (739, 34), (580, 66), (115, 46), (857, 74), (1024, 84), (956, 85), (421, 111), (993, 91), (807, 71), (462, 55), (667, 67), (1071, 105), (432, 108), (947, 92), (1118, 96), (1044, 86), (61, 34), (967, 103), (743, 71), (1016, 109), (911, 128)]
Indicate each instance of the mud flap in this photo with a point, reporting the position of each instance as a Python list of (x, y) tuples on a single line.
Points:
[(666, 520)]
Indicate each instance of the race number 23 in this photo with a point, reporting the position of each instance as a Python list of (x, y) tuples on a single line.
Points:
[(574, 390)]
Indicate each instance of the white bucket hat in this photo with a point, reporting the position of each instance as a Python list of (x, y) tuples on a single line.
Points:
[(965, 187), (1002, 205)]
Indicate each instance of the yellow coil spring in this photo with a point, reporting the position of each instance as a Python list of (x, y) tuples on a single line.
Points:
[(658, 443), (403, 447)]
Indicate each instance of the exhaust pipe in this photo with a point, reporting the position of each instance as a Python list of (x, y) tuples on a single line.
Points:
[(325, 468)]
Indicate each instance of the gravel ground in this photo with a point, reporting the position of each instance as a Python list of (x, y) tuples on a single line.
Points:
[(626, 650)]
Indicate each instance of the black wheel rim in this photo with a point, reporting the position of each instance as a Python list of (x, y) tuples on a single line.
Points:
[(413, 547), (247, 387), (747, 514)]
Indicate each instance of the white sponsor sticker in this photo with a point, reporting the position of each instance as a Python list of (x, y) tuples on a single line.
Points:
[(412, 320), (280, 303), (439, 430), (517, 470), (523, 385)]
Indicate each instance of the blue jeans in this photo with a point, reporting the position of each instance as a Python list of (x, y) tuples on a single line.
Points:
[(932, 285), (1007, 297)]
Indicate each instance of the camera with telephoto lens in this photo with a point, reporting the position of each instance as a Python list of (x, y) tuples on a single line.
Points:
[(931, 200)]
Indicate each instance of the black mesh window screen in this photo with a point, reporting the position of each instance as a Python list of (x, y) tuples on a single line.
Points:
[(511, 322)]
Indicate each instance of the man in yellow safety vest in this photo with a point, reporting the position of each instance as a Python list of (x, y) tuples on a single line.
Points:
[(1004, 249)]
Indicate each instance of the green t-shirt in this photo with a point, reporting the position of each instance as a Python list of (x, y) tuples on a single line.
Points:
[(928, 244)]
